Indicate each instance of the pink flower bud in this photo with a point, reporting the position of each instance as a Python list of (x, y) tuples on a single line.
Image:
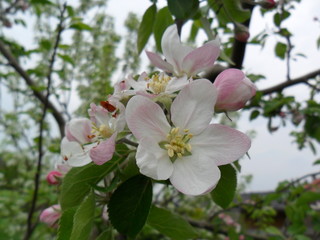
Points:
[(234, 90), (241, 237), (53, 177), (51, 215), (267, 4), (241, 32)]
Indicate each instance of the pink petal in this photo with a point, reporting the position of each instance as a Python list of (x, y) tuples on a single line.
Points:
[(201, 58), (173, 50), (153, 161), (193, 107), (157, 61), (145, 118), (221, 143), (104, 151), (195, 175)]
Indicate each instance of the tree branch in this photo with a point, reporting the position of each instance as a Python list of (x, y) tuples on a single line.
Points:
[(283, 85), (32, 85), (30, 226)]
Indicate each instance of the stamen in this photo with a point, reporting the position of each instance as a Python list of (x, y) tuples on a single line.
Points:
[(158, 83), (178, 144)]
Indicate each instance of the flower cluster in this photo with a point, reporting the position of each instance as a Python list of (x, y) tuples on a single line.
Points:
[(168, 115)]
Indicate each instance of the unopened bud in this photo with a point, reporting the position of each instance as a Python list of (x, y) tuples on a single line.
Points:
[(53, 177), (241, 32), (51, 215), (234, 90), (267, 4)]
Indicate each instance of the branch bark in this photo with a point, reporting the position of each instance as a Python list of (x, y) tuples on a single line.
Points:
[(283, 85), (32, 85)]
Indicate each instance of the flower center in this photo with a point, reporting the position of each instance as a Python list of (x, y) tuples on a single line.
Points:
[(102, 131), (178, 144), (158, 83)]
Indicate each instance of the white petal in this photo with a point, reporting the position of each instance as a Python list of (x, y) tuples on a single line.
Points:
[(153, 161), (193, 107), (195, 175), (140, 85), (74, 154), (176, 84), (221, 143), (172, 48), (145, 118), (80, 129)]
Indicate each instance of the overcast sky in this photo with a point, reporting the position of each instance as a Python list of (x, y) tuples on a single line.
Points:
[(273, 156)]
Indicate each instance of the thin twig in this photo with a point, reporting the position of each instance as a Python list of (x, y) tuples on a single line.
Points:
[(31, 227)]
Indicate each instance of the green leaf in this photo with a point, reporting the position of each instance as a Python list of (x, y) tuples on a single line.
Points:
[(234, 9), (66, 224), (229, 11), (274, 231), (76, 184), (83, 219), (146, 26), (281, 50), (308, 197), (66, 58), (182, 9), (170, 225), (106, 235), (316, 162), (279, 17), (254, 114), (162, 21), (80, 26), (130, 204), (224, 192)]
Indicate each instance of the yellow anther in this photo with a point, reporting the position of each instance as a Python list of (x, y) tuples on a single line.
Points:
[(178, 143), (102, 131), (158, 83), (170, 152)]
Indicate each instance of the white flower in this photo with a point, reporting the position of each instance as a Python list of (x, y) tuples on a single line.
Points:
[(93, 140), (188, 151)]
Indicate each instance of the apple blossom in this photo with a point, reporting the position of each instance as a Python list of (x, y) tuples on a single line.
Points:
[(234, 90), (157, 84), (51, 215), (183, 60), (188, 151), (93, 140)]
